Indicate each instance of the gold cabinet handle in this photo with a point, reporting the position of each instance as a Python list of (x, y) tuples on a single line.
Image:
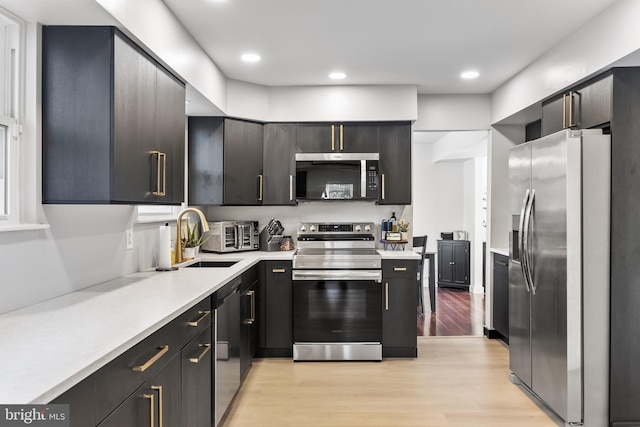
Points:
[(159, 184), (386, 296), (564, 111), (279, 270), (571, 124), (152, 408), (290, 187), (341, 137), (333, 137), (159, 388), (399, 268), (260, 178), (382, 177), (252, 294), (164, 174), (141, 368), (204, 314), (198, 358)]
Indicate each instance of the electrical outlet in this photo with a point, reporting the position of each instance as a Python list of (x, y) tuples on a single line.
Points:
[(129, 238)]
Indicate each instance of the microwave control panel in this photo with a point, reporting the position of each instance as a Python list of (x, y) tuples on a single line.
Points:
[(372, 179)]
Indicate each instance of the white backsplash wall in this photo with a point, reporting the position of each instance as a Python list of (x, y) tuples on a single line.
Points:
[(85, 245), (290, 216)]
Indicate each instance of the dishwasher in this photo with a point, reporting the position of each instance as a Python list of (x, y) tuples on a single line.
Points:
[(227, 361)]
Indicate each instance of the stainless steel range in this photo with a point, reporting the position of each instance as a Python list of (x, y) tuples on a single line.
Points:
[(337, 293)]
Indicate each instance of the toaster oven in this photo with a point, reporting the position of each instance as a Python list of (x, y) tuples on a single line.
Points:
[(232, 236)]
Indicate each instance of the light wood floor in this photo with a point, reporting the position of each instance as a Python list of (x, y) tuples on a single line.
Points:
[(459, 381)]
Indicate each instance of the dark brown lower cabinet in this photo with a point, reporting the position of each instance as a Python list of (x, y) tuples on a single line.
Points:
[(501, 295), (454, 264), (197, 380), (275, 303), (158, 399), (399, 308)]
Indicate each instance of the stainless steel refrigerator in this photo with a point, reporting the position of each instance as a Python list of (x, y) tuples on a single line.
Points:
[(559, 205)]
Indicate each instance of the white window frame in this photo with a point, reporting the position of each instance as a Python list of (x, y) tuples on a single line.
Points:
[(157, 213), (9, 116)]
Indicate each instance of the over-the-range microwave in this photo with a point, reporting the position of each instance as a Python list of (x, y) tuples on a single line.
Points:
[(336, 176)]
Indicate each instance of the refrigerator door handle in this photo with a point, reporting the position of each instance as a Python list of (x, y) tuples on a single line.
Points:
[(525, 202), (525, 242)]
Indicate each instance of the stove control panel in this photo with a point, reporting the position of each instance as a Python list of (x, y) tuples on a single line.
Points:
[(341, 227)]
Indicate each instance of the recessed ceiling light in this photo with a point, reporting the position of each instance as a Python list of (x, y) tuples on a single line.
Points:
[(470, 75), (251, 57), (337, 76)]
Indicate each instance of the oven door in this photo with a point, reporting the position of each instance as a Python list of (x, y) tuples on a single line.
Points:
[(337, 311)]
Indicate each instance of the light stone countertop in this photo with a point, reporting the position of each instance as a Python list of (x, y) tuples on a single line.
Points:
[(501, 251), (47, 348)]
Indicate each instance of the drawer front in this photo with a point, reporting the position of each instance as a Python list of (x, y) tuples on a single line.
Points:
[(399, 268), (118, 379), (195, 320)]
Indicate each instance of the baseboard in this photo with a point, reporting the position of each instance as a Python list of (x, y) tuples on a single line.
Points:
[(493, 334)]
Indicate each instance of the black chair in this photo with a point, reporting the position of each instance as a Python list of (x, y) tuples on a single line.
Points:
[(421, 242)]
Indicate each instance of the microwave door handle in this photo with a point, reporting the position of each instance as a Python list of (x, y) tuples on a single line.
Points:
[(237, 236)]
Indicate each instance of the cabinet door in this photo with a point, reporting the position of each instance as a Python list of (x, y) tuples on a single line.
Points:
[(160, 398), (243, 179), (461, 262), (249, 332), (276, 309), (552, 116), (169, 136), (358, 138), (399, 308), (134, 169), (80, 399), (315, 138), (206, 142), (395, 164), (196, 381), (501, 294), (445, 262), (279, 164), (596, 103)]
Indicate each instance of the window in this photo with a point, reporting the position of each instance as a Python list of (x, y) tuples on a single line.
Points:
[(9, 108), (155, 213)]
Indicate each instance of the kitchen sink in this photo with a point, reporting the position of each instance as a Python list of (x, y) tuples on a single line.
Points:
[(214, 264)]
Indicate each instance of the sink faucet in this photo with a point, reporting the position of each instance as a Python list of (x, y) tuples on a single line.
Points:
[(205, 228)]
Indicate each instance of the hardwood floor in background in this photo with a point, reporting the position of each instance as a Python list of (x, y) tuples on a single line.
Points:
[(454, 382), (458, 313)]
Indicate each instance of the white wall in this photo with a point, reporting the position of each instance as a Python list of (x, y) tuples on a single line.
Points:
[(332, 103), (438, 202), (152, 24), (610, 36), (474, 187), (453, 112)]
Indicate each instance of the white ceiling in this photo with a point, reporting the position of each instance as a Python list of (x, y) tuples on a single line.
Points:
[(426, 43)]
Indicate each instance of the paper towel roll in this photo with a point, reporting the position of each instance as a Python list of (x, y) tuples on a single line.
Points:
[(164, 247)]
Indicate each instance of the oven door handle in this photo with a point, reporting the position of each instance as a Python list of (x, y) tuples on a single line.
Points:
[(372, 275)]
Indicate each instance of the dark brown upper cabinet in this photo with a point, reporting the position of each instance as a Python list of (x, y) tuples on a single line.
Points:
[(582, 107), (113, 121), (394, 167), (337, 138)]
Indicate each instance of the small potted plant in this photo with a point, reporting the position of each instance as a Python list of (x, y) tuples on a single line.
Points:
[(192, 241), (403, 228)]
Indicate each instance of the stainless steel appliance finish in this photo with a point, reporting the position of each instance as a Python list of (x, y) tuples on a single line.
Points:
[(338, 352), (232, 236), (336, 176), (559, 202), (337, 293), (227, 364)]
